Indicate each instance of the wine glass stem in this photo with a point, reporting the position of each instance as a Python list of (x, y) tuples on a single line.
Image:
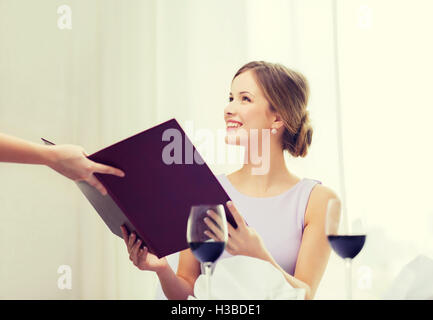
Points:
[(348, 265), (207, 272)]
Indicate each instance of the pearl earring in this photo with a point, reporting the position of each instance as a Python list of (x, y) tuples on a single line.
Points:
[(274, 131)]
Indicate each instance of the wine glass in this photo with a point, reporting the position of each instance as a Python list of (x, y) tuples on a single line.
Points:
[(206, 245), (345, 241)]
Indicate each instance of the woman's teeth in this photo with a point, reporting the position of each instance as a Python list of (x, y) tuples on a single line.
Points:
[(233, 125)]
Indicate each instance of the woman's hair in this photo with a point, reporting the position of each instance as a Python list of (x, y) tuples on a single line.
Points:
[(287, 92)]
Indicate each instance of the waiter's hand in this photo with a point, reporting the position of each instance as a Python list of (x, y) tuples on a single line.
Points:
[(71, 161), (141, 257), (241, 241)]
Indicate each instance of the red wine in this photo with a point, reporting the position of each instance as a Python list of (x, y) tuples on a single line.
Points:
[(207, 251), (347, 246)]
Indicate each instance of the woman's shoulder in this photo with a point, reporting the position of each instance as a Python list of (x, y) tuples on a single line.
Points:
[(318, 202), (322, 192)]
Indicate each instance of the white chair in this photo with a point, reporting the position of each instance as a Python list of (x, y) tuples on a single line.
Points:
[(414, 282)]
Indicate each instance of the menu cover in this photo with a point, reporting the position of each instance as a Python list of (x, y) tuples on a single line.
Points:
[(164, 176)]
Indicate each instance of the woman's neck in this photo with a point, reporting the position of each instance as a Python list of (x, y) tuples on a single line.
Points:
[(269, 171)]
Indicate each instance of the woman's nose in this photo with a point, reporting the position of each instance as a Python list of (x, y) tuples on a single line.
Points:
[(229, 109)]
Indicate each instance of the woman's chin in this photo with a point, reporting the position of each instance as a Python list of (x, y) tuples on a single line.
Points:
[(236, 139)]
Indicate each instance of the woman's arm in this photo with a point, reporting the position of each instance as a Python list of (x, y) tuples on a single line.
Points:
[(17, 150), (68, 160), (314, 252), (181, 285), (294, 282)]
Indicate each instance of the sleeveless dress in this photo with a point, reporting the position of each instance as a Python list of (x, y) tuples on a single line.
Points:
[(279, 219)]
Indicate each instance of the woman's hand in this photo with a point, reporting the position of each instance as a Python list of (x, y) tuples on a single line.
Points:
[(141, 257), (241, 241), (71, 161)]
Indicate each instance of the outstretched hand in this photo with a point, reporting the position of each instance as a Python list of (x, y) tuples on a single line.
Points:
[(72, 162)]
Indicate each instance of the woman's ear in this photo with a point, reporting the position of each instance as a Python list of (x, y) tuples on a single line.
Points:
[(278, 122)]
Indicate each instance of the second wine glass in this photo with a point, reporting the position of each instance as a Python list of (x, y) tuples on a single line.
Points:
[(344, 240)]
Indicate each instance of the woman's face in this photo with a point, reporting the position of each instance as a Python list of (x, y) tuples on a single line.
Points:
[(247, 109)]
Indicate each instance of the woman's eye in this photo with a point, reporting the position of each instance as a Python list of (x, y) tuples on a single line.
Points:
[(243, 99)]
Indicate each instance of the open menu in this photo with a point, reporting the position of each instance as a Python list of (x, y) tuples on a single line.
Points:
[(161, 184)]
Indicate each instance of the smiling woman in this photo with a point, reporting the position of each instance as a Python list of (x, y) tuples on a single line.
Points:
[(285, 214), (286, 93)]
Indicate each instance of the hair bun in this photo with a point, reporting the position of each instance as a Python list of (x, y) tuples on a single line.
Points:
[(298, 143)]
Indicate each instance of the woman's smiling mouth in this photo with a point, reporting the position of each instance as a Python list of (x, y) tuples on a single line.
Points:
[(233, 125)]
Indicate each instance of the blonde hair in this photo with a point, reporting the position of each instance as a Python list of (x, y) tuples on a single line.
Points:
[(287, 92)]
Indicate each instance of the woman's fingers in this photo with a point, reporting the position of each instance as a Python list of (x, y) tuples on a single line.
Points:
[(214, 216), (229, 245), (236, 215), (215, 228), (124, 234), (141, 259), (217, 218), (217, 233), (211, 235), (134, 251), (230, 229), (102, 168), (143, 253), (131, 241), (95, 183)]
